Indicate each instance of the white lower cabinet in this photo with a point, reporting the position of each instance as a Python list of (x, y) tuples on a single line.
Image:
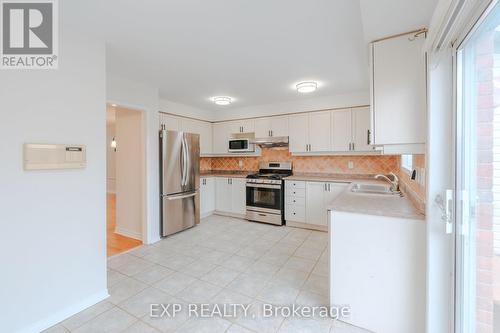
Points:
[(306, 202), (315, 203), (318, 197), (207, 196), (238, 196), (230, 195)]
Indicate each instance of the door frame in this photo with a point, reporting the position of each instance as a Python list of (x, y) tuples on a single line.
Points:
[(470, 24), (144, 221)]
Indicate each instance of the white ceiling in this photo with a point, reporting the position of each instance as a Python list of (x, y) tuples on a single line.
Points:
[(252, 50)]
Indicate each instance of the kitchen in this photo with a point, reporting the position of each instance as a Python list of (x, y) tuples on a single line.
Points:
[(330, 170), (333, 156)]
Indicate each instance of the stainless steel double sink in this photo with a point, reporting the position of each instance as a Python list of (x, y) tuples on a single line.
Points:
[(374, 189)]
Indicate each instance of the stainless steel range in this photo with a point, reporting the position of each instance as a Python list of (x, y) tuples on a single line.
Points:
[(266, 192)]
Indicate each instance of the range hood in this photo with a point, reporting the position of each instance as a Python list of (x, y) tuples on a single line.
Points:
[(270, 142)]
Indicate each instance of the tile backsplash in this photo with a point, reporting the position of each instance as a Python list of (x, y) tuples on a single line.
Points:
[(409, 185), (307, 164)]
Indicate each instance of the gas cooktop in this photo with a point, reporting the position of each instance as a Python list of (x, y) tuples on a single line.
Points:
[(263, 175)]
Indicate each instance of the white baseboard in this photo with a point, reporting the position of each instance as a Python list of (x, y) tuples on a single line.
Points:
[(128, 233), (65, 313), (239, 216), (207, 214), (306, 226)]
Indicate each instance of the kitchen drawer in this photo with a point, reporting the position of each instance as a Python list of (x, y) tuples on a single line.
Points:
[(293, 184), (295, 213), (295, 192), (295, 200)]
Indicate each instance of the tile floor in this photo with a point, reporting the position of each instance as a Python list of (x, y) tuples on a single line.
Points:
[(223, 260)]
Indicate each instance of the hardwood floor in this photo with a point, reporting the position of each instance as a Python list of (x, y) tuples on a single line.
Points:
[(116, 243)]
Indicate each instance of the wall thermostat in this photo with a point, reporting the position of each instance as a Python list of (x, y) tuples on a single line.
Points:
[(38, 156)]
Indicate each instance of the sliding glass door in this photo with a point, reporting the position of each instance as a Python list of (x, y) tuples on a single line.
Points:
[(477, 209)]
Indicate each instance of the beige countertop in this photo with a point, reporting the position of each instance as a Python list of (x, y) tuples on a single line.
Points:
[(375, 204), (224, 173)]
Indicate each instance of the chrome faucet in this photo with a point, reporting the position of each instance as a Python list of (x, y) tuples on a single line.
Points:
[(394, 183)]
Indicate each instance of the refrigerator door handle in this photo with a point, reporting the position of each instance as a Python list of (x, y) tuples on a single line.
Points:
[(180, 196), (188, 162), (184, 161)]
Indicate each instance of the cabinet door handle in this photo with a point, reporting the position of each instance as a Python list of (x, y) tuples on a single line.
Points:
[(353, 146), (325, 187), (271, 133), (329, 188), (367, 137)]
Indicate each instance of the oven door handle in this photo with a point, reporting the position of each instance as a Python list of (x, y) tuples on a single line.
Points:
[(264, 186)]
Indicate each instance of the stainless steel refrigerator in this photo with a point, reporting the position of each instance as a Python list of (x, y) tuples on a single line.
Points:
[(179, 181)]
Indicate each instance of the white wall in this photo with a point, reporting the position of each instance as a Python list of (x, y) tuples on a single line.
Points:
[(130, 180), (110, 159), (139, 96), (53, 223), (300, 105), (186, 110)]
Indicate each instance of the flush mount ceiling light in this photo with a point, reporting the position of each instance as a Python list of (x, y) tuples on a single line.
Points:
[(222, 100), (306, 87)]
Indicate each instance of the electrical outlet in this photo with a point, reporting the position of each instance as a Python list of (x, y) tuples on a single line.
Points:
[(240, 164), (350, 165)]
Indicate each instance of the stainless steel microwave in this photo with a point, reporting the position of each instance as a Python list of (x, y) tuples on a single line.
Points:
[(240, 146)]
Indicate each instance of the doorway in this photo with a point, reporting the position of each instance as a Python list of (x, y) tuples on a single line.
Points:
[(125, 179), (477, 181)]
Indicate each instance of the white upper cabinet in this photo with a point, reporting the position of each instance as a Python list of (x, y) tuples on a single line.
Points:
[(298, 125), (172, 123), (398, 91), (361, 124), (204, 129), (271, 126), (242, 126), (350, 130), (262, 127), (320, 131), (221, 134), (341, 130), (310, 132), (279, 126)]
